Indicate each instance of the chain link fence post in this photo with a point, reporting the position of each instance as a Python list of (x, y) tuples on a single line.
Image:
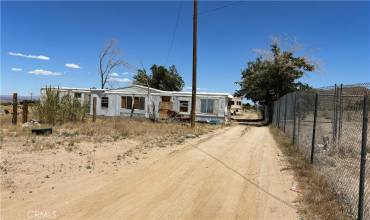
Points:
[(361, 195), (299, 120), (285, 110), (294, 115), (279, 112), (334, 114), (340, 116), (314, 128)]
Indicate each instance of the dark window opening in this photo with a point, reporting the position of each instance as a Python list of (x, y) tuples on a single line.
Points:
[(78, 95), (126, 102), (184, 106), (139, 103), (104, 102)]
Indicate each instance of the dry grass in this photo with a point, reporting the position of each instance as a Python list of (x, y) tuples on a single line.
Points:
[(133, 128), (318, 199), (105, 129), (79, 148)]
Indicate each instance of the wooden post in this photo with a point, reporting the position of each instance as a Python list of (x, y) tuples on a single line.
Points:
[(194, 82), (25, 112), (15, 109), (94, 109)]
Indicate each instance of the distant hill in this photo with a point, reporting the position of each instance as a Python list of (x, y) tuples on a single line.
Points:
[(9, 98)]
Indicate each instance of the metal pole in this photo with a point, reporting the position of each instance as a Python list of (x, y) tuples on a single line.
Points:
[(194, 83), (276, 112), (279, 112), (335, 114), (15, 108), (299, 122), (285, 111), (294, 115), (361, 190), (340, 114), (314, 128)]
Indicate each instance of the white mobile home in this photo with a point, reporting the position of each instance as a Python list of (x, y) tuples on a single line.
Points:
[(141, 101)]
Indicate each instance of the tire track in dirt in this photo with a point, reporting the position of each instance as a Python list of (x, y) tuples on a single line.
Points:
[(232, 174)]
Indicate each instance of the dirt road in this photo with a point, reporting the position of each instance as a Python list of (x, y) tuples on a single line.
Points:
[(234, 174)]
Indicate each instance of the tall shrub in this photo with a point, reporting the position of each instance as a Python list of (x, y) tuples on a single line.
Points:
[(54, 108)]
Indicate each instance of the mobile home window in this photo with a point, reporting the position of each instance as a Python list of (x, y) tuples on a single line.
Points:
[(78, 95), (139, 103), (206, 106), (184, 106), (104, 102), (126, 102)]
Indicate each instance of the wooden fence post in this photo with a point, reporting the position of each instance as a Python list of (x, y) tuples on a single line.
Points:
[(361, 191), (94, 109), (314, 128), (25, 112), (15, 109)]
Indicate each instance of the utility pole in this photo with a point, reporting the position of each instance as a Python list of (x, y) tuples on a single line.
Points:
[(194, 83)]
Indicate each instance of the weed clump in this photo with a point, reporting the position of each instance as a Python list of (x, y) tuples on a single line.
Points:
[(56, 108)]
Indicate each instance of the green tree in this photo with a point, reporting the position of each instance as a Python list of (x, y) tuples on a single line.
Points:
[(160, 78), (267, 79)]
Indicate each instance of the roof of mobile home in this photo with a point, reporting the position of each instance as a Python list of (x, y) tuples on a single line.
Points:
[(124, 90)]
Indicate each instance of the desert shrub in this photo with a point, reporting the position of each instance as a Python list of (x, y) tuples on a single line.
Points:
[(54, 108)]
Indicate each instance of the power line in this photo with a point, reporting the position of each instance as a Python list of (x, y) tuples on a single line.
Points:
[(219, 8), (174, 32)]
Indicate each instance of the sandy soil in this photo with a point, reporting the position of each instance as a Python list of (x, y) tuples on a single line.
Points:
[(232, 173)]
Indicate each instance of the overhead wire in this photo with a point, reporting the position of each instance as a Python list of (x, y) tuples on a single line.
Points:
[(178, 19), (174, 33), (218, 8)]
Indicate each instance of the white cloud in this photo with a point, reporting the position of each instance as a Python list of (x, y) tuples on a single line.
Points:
[(16, 69), (120, 80), (127, 73), (44, 72), (114, 75), (39, 57), (73, 66)]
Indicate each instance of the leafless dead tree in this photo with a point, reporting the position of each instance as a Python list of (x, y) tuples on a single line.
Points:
[(109, 59)]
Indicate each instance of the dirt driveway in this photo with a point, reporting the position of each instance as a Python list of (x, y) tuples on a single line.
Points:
[(235, 174)]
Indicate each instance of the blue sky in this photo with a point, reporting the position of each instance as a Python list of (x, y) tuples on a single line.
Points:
[(38, 39)]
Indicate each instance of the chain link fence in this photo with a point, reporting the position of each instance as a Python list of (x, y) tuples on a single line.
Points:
[(329, 126)]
